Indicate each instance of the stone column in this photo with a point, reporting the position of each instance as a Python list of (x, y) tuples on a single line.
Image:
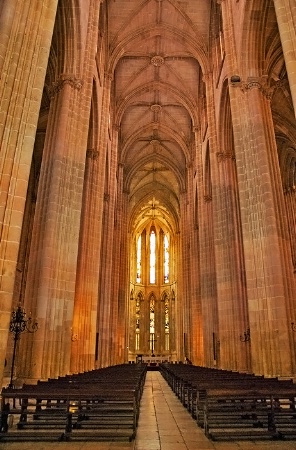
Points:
[(232, 308), (104, 289), (53, 255), (193, 310), (114, 294), (269, 272), (121, 285), (286, 18), (209, 220), (290, 199), (197, 314), (181, 276), (84, 326), (26, 32)]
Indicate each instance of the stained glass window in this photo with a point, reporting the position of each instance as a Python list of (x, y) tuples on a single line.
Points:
[(152, 325), (139, 259), (166, 259), (166, 325), (152, 257)]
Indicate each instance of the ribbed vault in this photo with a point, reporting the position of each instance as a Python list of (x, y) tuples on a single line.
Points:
[(157, 61)]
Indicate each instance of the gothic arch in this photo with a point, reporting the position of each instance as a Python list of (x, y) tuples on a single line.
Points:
[(160, 127), (195, 47), (256, 37), (185, 98), (170, 218), (157, 158), (66, 43)]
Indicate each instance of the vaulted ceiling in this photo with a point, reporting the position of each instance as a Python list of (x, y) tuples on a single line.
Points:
[(158, 54)]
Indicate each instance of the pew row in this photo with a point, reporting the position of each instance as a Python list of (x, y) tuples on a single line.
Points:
[(230, 405), (240, 414), (75, 409)]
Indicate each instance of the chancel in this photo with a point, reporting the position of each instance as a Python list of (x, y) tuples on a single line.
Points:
[(147, 187)]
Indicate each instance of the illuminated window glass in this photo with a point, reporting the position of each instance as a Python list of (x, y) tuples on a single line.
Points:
[(166, 325), (166, 259), (152, 328), (152, 257), (139, 260), (137, 343)]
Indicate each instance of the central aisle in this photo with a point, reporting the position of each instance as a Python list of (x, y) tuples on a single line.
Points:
[(164, 423)]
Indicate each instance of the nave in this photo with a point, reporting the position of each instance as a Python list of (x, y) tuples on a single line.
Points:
[(164, 424)]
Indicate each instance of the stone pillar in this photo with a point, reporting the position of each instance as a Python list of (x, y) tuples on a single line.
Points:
[(286, 18), (290, 199), (84, 326), (113, 204), (121, 286), (8, 11), (53, 255), (232, 310), (208, 218), (269, 272), (193, 310), (197, 350), (104, 289), (182, 306), (26, 32)]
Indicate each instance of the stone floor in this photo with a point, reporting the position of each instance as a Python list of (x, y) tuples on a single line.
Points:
[(164, 424)]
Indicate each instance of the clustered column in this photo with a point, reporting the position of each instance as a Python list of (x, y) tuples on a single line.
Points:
[(23, 65), (286, 19), (265, 234)]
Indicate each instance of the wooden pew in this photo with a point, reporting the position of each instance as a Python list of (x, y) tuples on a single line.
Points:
[(195, 387), (238, 414), (94, 406)]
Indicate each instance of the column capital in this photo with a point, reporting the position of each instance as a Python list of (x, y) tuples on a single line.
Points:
[(260, 83), (63, 80)]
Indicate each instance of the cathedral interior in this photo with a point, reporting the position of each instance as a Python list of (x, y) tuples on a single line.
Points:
[(148, 185)]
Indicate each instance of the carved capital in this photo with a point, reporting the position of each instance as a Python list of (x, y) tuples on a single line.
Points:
[(65, 79), (260, 83)]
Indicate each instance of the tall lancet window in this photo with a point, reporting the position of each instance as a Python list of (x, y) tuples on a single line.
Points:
[(166, 325), (152, 257), (166, 259), (152, 325), (137, 343), (139, 262)]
